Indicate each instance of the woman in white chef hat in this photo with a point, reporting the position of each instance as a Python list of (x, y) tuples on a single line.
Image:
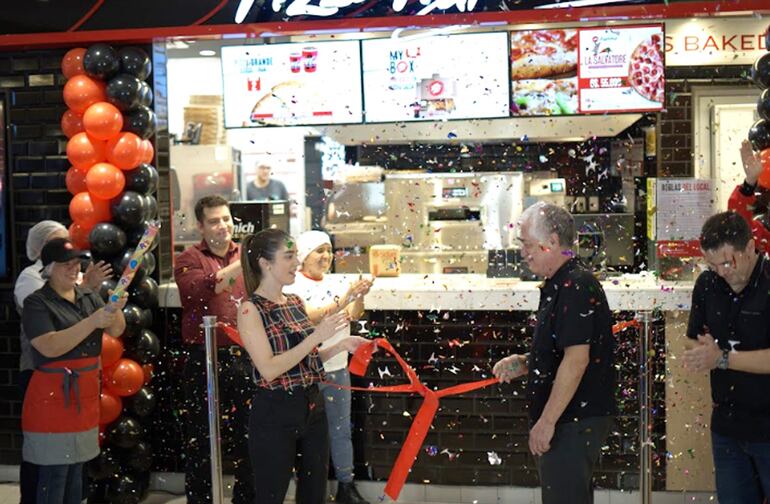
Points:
[(324, 295)]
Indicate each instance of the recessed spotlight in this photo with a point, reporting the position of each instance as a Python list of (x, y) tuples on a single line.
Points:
[(207, 52)]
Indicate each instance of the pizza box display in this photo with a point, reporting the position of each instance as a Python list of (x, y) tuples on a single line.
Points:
[(586, 70), (289, 84), (436, 77), (206, 110)]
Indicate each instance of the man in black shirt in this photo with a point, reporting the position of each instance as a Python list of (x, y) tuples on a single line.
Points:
[(264, 188), (571, 379), (730, 320)]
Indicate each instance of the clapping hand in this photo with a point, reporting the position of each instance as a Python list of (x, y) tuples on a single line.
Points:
[(95, 274), (704, 356), (751, 163), (331, 325)]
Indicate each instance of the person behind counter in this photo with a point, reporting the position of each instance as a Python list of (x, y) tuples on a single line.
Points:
[(571, 379), (730, 321), (744, 200), (28, 281), (264, 188), (60, 415), (322, 296), (208, 276), (287, 426)]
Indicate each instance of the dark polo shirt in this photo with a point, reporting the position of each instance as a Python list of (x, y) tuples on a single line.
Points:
[(573, 310), (45, 311), (741, 400)]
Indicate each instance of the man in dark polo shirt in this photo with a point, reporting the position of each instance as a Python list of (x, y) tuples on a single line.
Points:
[(571, 378), (730, 320), (209, 279)]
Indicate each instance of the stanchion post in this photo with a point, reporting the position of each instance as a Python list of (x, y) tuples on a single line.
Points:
[(210, 331), (645, 407)]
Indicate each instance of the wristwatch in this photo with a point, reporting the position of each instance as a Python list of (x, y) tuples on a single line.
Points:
[(723, 360)]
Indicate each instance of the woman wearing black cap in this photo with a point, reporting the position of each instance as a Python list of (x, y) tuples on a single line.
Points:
[(60, 415)]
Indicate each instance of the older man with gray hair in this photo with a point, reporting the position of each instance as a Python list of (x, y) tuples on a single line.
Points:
[(570, 373)]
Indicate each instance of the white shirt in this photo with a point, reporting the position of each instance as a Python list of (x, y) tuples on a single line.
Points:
[(318, 294), (29, 281)]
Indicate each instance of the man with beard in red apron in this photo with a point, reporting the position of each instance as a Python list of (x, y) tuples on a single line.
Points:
[(60, 416)]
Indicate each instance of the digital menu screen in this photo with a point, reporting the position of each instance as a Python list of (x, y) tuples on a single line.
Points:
[(436, 77), (592, 70), (621, 69), (292, 84)]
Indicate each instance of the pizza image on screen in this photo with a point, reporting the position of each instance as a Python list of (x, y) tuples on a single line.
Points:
[(286, 103), (538, 97), (543, 53), (646, 70)]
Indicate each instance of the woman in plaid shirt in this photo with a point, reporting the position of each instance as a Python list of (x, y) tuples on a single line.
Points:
[(287, 425)]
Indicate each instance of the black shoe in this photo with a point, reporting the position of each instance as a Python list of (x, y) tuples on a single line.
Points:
[(347, 493)]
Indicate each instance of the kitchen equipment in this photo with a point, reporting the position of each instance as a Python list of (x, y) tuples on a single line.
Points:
[(250, 217), (605, 240)]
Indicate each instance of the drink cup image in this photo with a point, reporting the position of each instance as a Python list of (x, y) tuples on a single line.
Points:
[(295, 60), (309, 56)]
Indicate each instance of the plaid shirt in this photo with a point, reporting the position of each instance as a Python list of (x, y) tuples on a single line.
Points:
[(286, 326)]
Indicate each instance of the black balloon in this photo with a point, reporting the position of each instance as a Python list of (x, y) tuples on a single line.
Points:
[(135, 61), (124, 489), (767, 38), (107, 240), (146, 318), (141, 121), (106, 286), (146, 95), (763, 105), (139, 457), (145, 348), (142, 403), (133, 316), (142, 179), (101, 61), (760, 71), (125, 432), (128, 209), (149, 259), (103, 466), (144, 293), (759, 135), (125, 92), (151, 206)]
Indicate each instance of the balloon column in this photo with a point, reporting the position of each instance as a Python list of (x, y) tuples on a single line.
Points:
[(109, 124), (759, 134)]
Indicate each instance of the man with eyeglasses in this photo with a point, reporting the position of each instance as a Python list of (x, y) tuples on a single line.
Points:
[(730, 321)]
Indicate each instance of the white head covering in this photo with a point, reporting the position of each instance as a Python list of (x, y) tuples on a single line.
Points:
[(38, 236), (308, 242)]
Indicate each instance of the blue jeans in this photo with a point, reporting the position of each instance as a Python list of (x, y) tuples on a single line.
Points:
[(60, 484), (337, 404), (742, 470)]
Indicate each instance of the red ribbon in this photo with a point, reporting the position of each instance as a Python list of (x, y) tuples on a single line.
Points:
[(419, 429)]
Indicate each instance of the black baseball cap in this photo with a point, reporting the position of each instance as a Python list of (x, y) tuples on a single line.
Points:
[(61, 250)]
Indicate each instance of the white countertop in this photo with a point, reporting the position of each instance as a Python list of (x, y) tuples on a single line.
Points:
[(477, 292)]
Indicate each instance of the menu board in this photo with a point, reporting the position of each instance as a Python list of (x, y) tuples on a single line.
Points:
[(292, 84), (436, 77), (621, 69), (592, 70)]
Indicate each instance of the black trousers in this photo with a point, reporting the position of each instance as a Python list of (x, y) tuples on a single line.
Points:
[(236, 387), (566, 469), (288, 431), (27, 471)]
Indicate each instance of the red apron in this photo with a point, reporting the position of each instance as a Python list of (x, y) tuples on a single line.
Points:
[(63, 397)]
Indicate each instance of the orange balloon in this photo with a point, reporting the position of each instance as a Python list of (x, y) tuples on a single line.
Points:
[(112, 350), (102, 120), (764, 177), (148, 370), (125, 378), (148, 152), (75, 180), (105, 181), (110, 406), (124, 151), (81, 91), (84, 151), (88, 211), (71, 123), (72, 62), (79, 235)]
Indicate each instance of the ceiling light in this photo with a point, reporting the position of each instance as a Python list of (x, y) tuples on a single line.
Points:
[(207, 52)]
